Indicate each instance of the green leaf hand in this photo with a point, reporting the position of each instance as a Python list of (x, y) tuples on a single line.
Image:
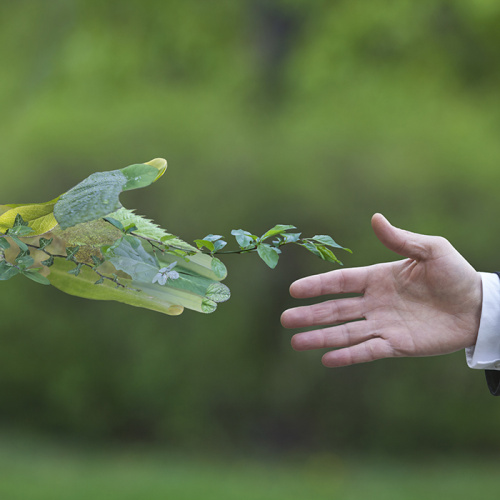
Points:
[(87, 244)]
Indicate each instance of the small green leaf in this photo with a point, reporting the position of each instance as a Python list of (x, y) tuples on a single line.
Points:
[(139, 175), (130, 228), (324, 239), (96, 260), (327, 254), (7, 270), (205, 243), (44, 243), (76, 270), (213, 237), (268, 254), (320, 251), (278, 229), (244, 238), (19, 221), (291, 237), (49, 262), (218, 292), (219, 244), (71, 252), (219, 268), (208, 306), (4, 244), (22, 246), (115, 223), (24, 260), (100, 281), (34, 275), (311, 247)]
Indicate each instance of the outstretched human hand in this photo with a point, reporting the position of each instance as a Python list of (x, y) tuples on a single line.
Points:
[(425, 305)]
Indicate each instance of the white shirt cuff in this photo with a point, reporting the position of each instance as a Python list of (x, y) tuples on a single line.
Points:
[(485, 355)]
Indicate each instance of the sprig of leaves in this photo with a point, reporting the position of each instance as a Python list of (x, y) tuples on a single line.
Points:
[(269, 251)]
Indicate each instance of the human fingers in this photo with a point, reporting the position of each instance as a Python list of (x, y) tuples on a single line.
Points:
[(371, 350), (345, 335), (324, 313), (339, 281), (412, 245)]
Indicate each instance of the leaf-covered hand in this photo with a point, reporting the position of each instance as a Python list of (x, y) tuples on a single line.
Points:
[(425, 305), (86, 243)]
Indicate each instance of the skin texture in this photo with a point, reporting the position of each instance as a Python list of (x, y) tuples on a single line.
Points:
[(425, 305)]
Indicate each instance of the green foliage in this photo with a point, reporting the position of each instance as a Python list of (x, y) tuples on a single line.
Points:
[(132, 252)]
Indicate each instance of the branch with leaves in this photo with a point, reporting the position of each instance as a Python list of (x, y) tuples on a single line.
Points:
[(87, 244)]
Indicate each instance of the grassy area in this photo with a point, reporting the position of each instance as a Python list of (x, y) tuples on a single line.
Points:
[(37, 471)]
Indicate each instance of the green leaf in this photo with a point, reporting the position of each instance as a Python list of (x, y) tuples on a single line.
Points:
[(96, 260), (4, 244), (324, 239), (291, 237), (134, 242), (244, 238), (320, 251), (98, 195), (39, 216), (139, 175), (130, 229), (212, 242), (219, 268), (213, 237), (311, 247), (93, 198), (21, 231), (205, 243), (208, 306), (19, 221), (22, 246), (136, 262), (327, 254), (34, 275), (71, 252), (115, 223), (49, 262), (219, 245), (218, 292), (278, 229), (268, 254), (84, 286), (24, 260), (7, 270), (76, 271), (44, 243)]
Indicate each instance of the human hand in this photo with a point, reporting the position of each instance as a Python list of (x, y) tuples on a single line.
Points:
[(425, 305)]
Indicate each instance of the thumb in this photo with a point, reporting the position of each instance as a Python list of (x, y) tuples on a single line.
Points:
[(412, 245)]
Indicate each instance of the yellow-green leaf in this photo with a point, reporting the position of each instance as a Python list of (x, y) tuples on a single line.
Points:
[(39, 216)]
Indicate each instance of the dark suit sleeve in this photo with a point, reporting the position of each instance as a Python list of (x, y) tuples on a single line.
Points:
[(493, 380), (493, 376)]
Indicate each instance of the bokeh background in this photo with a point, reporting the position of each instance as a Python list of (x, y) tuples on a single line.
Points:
[(316, 114)]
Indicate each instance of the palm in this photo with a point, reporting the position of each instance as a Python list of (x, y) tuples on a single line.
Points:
[(425, 305)]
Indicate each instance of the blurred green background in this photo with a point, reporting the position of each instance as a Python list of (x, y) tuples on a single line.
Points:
[(316, 114)]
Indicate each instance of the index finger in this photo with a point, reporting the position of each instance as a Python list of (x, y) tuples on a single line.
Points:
[(334, 282)]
